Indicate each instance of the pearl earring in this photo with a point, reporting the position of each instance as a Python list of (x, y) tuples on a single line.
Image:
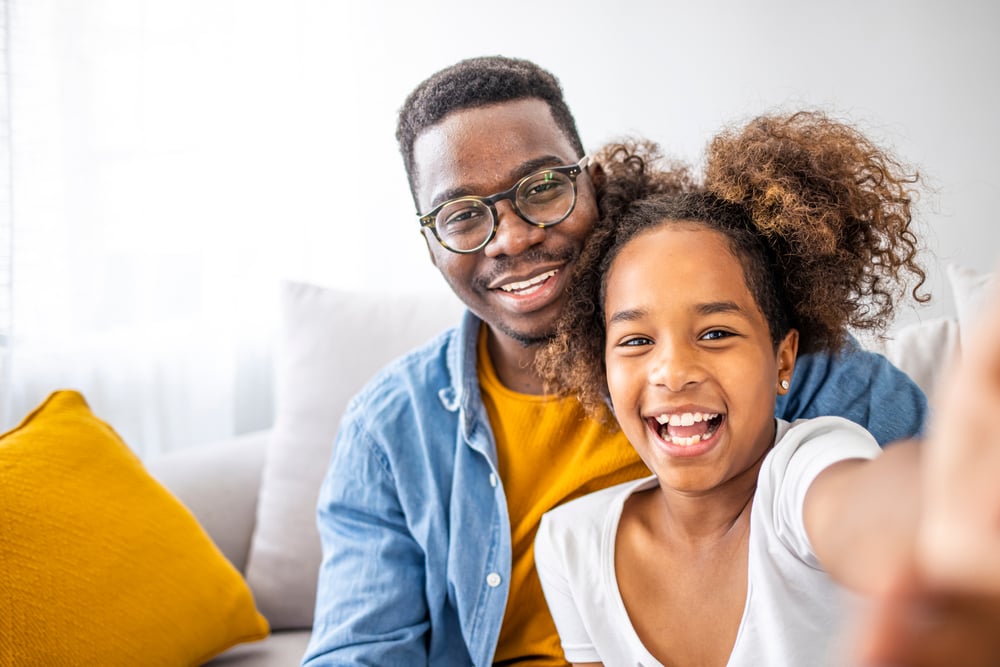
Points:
[(784, 385)]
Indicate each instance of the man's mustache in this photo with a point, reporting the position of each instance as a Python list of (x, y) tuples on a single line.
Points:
[(505, 264)]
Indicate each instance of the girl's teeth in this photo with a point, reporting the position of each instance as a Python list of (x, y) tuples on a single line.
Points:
[(685, 442), (685, 419)]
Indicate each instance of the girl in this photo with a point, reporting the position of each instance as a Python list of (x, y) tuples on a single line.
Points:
[(688, 312)]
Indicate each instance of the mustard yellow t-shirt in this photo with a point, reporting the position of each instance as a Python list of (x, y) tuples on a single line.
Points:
[(549, 451)]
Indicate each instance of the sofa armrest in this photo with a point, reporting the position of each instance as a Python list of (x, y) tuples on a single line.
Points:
[(219, 483)]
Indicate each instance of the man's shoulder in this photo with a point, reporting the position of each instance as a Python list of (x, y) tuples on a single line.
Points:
[(858, 384), (851, 363)]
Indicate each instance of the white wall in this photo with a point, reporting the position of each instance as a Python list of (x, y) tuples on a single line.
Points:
[(280, 114), (173, 159), (922, 77)]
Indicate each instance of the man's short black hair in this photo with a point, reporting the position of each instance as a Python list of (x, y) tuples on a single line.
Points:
[(478, 82)]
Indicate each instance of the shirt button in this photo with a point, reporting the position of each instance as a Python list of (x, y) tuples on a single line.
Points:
[(493, 579), (493, 480)]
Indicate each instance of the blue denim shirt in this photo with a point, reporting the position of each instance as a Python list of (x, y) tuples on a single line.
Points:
[(412, 513)]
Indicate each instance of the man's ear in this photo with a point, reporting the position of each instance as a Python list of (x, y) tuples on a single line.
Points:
[(427, 241), (788, 350), (597, 176)]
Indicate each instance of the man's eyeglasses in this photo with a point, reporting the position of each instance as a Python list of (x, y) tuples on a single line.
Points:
[(545, 198)]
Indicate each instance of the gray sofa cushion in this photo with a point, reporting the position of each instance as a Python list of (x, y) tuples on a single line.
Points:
[(331, 342), (281, 649), (219, 483)]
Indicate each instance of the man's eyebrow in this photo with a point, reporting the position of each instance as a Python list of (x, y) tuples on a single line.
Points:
[(526, 168)]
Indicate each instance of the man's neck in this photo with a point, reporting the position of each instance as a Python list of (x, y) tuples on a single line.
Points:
[(514, 363)]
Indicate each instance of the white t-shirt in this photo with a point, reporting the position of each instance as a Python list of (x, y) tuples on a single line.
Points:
[(793, 608)]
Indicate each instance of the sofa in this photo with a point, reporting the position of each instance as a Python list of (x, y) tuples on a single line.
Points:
[(255, 494)]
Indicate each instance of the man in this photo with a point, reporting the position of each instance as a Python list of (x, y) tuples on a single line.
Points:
[(446, 461)]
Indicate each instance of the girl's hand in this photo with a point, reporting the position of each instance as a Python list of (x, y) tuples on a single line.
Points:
[(958, 542), (914, 626)]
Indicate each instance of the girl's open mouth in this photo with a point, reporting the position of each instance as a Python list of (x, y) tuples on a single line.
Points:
[(686, 428)]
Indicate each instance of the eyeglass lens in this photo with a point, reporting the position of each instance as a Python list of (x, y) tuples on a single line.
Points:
[(543, 199)]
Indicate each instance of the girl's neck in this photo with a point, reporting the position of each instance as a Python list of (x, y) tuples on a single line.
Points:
[(706, 518)]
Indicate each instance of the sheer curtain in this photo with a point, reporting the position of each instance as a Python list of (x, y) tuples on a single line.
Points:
[(170, 162), (143, 217), (6, 267), (133, 256)]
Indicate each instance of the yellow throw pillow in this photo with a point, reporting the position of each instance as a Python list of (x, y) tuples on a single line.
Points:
[(99, 563)]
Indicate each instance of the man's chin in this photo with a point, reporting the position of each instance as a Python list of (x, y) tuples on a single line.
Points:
[(526, 339)]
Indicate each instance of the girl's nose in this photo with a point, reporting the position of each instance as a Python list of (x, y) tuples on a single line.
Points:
[(675, 366)]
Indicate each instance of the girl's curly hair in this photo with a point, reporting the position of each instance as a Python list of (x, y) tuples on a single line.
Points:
[(819, 217)]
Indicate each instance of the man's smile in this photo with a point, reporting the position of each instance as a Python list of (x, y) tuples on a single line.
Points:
[(529, 294), (525, 287)]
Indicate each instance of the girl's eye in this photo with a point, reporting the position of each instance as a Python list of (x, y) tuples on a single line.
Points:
[(716, 334), (635, 341)]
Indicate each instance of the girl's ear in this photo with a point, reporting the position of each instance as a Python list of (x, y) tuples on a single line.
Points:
[(788, 350)]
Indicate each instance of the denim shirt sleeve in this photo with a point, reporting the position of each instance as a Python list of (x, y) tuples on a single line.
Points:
[(366, 613), (860, 385)]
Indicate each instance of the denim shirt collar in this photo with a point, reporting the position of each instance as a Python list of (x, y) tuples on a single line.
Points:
[(463, 392)]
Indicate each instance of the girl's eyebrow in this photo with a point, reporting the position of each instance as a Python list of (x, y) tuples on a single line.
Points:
[(708, 308), (713, 307), (628, 315)]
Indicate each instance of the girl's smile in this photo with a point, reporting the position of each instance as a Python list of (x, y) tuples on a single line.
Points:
[(687, 433)]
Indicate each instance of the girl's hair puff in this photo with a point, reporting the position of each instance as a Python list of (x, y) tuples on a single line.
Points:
[(817, 215), (835, 209)]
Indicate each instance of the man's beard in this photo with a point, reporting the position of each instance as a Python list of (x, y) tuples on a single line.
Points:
[(536, 256), (525, 340)]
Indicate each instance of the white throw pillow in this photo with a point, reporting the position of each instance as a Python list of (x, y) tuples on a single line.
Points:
[(969, 288), (923, 349), (330, 343)]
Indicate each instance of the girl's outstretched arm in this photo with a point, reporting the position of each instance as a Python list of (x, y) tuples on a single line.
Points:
[(946, 610), (862, 517), (959, 539), (931, 507), (919, 527)]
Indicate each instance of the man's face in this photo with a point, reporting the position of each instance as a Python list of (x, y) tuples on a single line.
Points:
[(516, 284)]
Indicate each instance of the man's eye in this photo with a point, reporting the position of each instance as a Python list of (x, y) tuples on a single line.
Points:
[(541, 188), (461, 218), (546, 187)]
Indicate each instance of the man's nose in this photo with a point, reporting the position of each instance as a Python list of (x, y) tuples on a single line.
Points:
[(514, 233)]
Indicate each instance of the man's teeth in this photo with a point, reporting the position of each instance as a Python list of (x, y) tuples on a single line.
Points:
[(686, 418), (526, 284)]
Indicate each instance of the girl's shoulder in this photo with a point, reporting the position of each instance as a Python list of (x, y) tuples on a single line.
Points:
[(589, 515)]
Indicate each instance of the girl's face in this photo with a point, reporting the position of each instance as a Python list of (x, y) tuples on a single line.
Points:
[(691, 368)]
